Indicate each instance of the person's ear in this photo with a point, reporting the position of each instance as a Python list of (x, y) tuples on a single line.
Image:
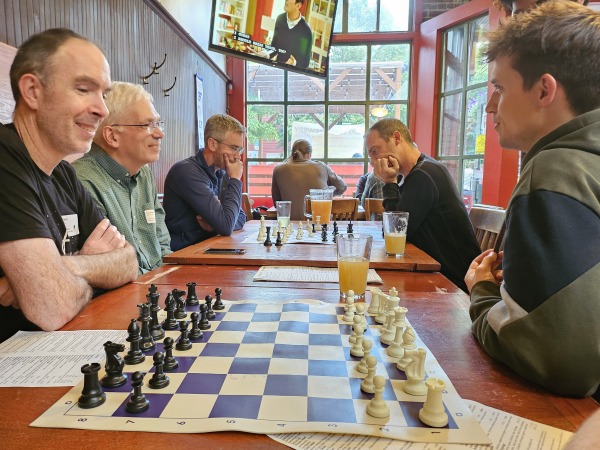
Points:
[(31, 89), (110, 136), (547, 87)]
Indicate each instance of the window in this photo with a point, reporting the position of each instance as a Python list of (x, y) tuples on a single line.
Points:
[(462, 106), (356, 16)]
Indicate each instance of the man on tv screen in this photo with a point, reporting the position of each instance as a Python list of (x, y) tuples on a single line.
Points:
[(292, 36)]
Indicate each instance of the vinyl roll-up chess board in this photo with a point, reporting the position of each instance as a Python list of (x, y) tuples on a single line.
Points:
[(273, 368)]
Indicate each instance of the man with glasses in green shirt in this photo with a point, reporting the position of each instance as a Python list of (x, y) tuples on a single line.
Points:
[(116, 172), (203, 193)]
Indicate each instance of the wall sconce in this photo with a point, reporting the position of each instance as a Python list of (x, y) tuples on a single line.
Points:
[(379, 111)]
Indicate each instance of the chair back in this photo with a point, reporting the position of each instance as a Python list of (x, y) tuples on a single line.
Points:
[(488, 224), (247, 205), (374, 209), (344, 209)]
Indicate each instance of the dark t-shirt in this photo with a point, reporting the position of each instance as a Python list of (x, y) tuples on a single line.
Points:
[(33, 205)]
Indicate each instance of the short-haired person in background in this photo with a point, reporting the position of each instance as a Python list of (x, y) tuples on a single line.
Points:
[(438, 222), (293, 178), (116, 172), (54, 244), (203, 193), (293, 35), (539, 315), (518, 6)]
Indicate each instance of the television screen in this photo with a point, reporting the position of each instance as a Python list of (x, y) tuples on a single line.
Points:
[(293, 35)]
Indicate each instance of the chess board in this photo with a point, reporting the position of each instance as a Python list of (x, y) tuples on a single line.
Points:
[(292, 239), (272, 368)]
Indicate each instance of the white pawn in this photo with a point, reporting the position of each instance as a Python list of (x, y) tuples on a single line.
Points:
[(367, 384), (415, 373), (310, 231), (356, 326), (318, 223), (395, 349), (349, 308), (377, 407), (374, 305), (360, 311), (408, 343), (367, 346), (285, 238), (433, 413), (357, 348)]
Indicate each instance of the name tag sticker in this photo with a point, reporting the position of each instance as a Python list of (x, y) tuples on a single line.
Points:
[(71, 224), (150, 215)]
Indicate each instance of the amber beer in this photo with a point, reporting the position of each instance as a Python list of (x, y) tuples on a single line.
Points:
[(395, 244), (321, 208), (354, 252), (395, 225)]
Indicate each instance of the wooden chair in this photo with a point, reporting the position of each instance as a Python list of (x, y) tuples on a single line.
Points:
[(247, 205), (344, 209), (374, 207), (488, 224)]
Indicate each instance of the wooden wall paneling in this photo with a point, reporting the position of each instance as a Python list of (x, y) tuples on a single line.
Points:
[(133, 35)]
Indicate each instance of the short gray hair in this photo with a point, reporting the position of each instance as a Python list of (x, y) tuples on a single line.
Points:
[(219, 125), (387, 127)]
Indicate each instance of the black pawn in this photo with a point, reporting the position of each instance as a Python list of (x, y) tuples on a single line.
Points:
[(192, 298), (134, 355), (268, 242), (323, 233), (349, 230), (159, 379), (218, 306), (170, 323), (170, 362), (210, 314), (335, 227), (278, 242), (180, 304), (137, 402), (195, 333), (184, 342), (92, 394), (147, 341), (204, 324), (114, 376)]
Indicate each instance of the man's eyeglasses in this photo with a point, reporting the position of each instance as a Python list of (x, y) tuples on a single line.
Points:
[(236, 149), (150, 126)]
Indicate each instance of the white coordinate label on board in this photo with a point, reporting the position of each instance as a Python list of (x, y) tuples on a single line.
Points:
[(71, 224), (150, 215)]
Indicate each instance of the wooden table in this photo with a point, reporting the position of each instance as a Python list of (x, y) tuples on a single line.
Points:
[(314, 255), (437, 309)]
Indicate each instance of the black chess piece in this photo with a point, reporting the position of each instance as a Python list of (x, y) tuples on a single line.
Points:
[(184, 342), (314, 230), (159, 379), (156, 330), (137, 402), (268, 242), (134, 355), (92, 394), (210, 314), (147, 341), (114, 376), (278, 242), (192, 298), (204, 324), (180, 304), (152, 294), (335, 227), (349, 229), (218, 306), (170, 363), (195, 333), (323, 233), (170, 323)]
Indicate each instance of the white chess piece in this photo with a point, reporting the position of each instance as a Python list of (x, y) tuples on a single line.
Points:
[(318, 222), (367, 345), (374, 305), (356, 325), (395, 349), (433, 413), (360, 311), (367, 384), (408, 343), (377, 407), (349, 308), (415, 373), (389, 331), (383, 303), (357, 348)]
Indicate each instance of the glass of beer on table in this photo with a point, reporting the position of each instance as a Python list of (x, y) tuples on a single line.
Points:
[(320, 204), (395, 224), (353, 255)]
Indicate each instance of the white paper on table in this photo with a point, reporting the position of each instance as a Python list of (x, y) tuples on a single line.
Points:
[(39, 358), (505, 430), (306, 274)]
